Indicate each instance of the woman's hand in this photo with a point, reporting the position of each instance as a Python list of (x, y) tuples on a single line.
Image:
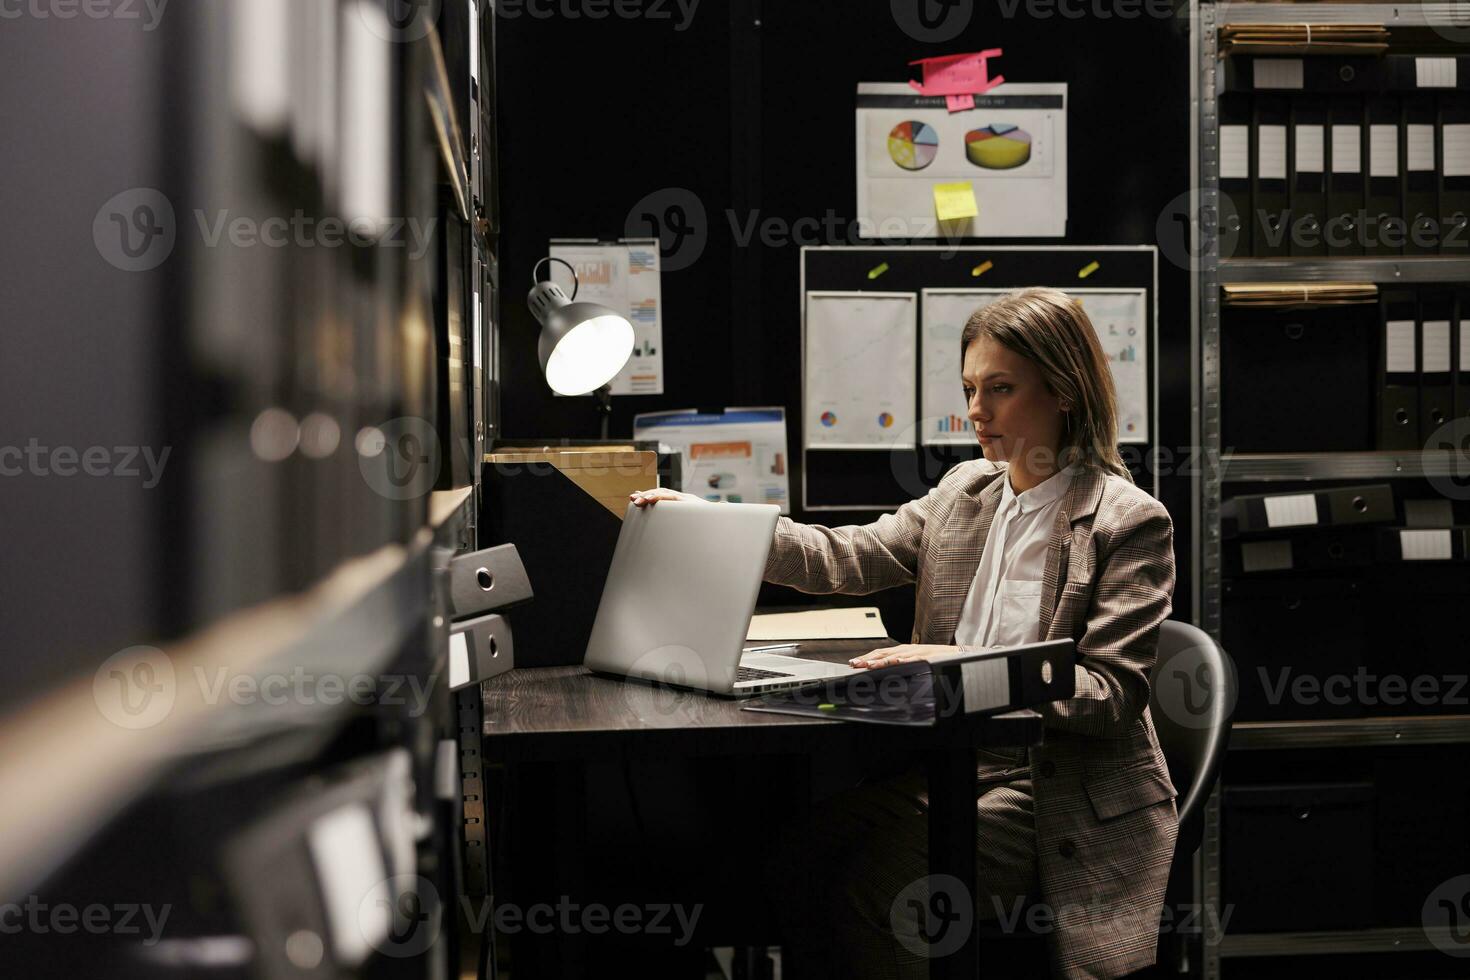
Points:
[(646, 498), (907, 653)]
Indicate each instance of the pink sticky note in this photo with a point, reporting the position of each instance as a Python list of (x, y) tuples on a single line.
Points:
[(958, 103), (957, 74)]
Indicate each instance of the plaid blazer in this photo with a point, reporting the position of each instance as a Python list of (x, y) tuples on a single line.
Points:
[(1105, 819)]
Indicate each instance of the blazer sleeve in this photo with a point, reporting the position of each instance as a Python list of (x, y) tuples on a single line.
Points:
[(857, 559), (1132, 596)]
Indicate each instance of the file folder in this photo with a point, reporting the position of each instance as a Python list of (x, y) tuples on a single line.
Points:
[(1454, 172), (1235, 176), (1386, 227), (1308, 200), (1343, 231), (1460, 339), (1436, 393), (1256, 514), (1420, 178), (1398, 371), (1270, 231)]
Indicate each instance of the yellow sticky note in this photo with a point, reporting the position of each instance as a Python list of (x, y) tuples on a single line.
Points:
[(953, 201)]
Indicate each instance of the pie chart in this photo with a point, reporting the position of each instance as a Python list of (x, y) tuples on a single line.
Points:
[(913, 145), (999, 146)]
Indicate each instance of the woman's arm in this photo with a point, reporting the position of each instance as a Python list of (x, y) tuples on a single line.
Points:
[(856, 559), (1131, 598)]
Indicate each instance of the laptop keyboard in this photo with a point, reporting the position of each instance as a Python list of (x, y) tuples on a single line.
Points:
[(756, 674)]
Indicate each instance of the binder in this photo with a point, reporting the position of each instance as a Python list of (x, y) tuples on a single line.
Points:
[(1343, 230), (1332, 549), (1454, 172), (1235, 176), (1308, 195), (1420, 178), (1436, 393), (1270, 231), (1256, 514), (1398, 371), (1460, 342), (1386, 228), (1423, 544)]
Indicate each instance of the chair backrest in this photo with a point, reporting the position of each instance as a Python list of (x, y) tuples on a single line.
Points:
[(1191, 703)]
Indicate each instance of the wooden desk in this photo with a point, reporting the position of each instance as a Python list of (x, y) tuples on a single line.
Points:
[(551, 714)]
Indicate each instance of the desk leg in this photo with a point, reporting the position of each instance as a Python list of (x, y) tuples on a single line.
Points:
[(952, 828)]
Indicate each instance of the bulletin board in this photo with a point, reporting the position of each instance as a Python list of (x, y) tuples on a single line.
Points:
[(906, 451)]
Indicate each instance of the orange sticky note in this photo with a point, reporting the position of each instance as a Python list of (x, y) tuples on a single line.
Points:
[(953, 201)]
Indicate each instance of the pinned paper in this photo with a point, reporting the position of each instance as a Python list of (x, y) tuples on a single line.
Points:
[(953, 201), (1088, 269), (960, 77), (982, 268)]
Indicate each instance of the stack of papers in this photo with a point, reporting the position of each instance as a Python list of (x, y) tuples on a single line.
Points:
[(858, 623), (1269, 39), (1286, 294)]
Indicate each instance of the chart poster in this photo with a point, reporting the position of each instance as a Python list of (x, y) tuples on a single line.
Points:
[(1119, 317), (861, 355), (624, 277), (738, 456), (998, 170)]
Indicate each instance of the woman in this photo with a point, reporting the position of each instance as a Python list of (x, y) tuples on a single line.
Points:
[(1045, 538)]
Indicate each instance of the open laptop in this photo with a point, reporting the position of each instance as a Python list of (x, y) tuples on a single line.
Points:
[(679, 594)]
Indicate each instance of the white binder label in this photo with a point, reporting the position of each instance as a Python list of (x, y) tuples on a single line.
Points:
[(1398, 342), (1309, 149), (986, 683), (1436, 345), (1426, 545), (1235, 152), (1435, 73), (1271, 152), (1278, 73), (1421, 147), (459, 661), (1265, 556), (1347, 149), (1291, 510), (1383, 151), (1457, 150)]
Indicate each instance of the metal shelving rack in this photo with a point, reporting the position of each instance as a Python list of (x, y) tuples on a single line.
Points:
[(1211, 274)]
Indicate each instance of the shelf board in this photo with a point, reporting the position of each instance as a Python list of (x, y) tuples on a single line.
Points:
[(1420, 730), (1408, 939), (1388, 14), (1376, 269), (1343, 466)]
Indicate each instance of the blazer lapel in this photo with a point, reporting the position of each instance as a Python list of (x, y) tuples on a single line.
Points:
[(1080, 503), (959, 557)]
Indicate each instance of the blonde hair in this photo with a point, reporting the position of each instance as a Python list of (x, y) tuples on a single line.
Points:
[(1050, 329)]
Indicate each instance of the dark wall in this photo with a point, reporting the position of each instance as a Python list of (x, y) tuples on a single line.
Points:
[(750, 107)]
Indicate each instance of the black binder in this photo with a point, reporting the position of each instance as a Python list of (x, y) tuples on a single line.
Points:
[(1418, 161), (1236, 152), (1436, 394), (1422, 544), (1332, 549), (1271, 231), (1273, 513), (1386, 229), (1453, 147), (1343, 231), (1398, 371), (1308, 199)]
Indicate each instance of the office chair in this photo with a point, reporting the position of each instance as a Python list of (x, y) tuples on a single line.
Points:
[(1192, 693)]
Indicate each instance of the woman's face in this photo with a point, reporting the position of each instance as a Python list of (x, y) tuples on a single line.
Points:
[(1014, 415)]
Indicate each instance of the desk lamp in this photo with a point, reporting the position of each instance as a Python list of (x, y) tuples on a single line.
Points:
[(583, 345)]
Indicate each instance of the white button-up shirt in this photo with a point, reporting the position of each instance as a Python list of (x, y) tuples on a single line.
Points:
[(1004, 604)]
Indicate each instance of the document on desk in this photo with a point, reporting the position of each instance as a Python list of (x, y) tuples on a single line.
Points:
[(861, 349), (736, 456), (857, 623)]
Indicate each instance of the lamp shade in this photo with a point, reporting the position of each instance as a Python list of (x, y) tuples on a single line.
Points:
[(583, 345)]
